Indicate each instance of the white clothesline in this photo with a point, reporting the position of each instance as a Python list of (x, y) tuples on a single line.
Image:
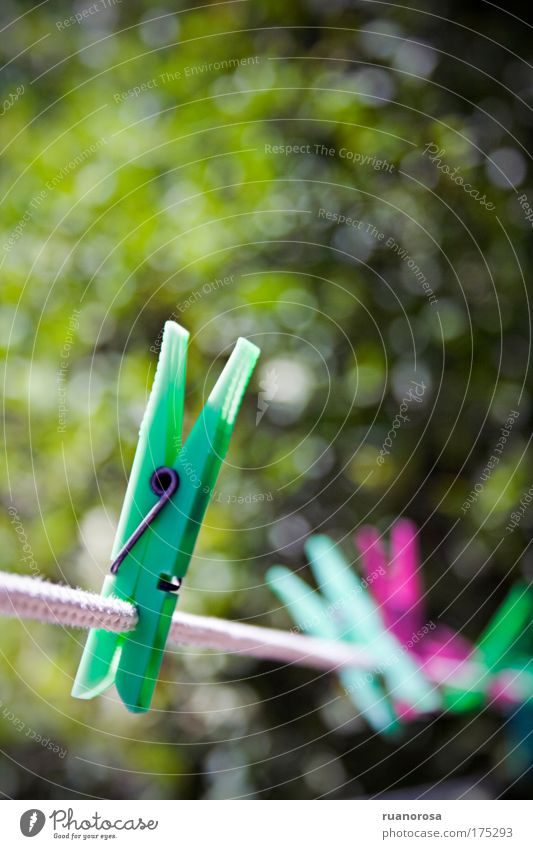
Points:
[(31, 598)]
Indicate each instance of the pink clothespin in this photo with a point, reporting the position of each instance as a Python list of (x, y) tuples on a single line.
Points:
[(395, 582)]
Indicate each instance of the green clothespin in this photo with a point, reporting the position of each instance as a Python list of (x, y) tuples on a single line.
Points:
[(500, 647), (505, 648), (501, 640), (164, 506)]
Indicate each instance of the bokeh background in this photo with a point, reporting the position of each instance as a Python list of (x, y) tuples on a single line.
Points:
[(139, 165)]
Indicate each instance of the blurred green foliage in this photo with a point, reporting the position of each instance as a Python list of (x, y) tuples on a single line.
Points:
[(119, 209)]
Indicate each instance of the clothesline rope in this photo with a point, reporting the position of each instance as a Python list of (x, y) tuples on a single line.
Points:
[(32, 598)]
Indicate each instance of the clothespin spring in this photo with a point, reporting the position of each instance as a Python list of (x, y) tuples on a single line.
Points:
[(164, 482)]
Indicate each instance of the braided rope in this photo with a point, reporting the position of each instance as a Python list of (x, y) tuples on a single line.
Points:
[(31, 598)]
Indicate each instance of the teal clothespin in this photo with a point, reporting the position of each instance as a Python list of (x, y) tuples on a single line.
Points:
[(360, 621), (347, 612), (312, 614), (164, 506)]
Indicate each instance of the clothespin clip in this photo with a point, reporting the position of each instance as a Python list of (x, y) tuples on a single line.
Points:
[(505, 644), (352, 615), (167, 495), (312, 614), (505, 648), (394, 580), (361, 622)]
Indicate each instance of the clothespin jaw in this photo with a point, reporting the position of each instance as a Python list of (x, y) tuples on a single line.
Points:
[(167, 495)]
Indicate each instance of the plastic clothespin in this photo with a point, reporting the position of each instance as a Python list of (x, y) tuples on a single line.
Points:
[(167, 495), (313, 615), (505, 647), (406, 593), (394, 580), (395, 583), (360, 621), (508, 627), (506, 641), (505, 673), (347, 612)]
